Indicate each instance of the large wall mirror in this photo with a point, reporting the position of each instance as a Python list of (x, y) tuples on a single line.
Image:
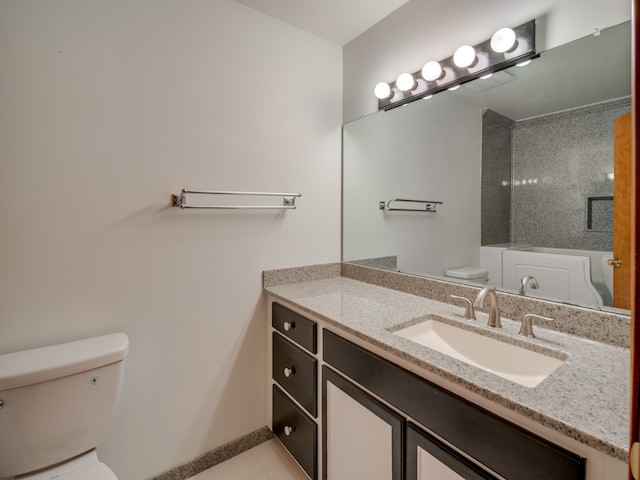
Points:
[(521, 169)]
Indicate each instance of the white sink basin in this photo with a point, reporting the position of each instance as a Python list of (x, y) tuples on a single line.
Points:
[(518, 364)]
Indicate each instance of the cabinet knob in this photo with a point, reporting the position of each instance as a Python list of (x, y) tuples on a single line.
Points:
[(289, 371), (289, 326), (289, 430)]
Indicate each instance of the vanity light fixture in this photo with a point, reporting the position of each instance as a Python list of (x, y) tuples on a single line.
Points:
[(465, 56), (432, 71), (405, 82), (507, 47), (383, 91), (503, 40)]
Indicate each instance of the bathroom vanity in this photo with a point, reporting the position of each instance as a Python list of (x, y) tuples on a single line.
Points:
[(351, 398)]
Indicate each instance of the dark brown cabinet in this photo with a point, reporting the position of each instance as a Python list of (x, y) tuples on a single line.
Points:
[(388, 423), (295, 391), (500, 446)]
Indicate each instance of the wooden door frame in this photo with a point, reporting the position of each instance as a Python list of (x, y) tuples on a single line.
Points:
[(634, 427)]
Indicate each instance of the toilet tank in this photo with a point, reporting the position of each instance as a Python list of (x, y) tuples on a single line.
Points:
[(58, 401)]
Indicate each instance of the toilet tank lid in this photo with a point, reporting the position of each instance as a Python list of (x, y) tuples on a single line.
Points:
[(47, 363)]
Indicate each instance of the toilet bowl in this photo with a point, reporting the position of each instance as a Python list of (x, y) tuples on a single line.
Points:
[(57, 404), (469, 274)]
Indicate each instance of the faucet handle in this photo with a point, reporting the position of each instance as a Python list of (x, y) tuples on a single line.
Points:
[(526, 329), (469, 311)]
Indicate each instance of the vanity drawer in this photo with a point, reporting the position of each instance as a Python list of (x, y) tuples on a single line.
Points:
[(294, 326), (296, 431), (296, 372)]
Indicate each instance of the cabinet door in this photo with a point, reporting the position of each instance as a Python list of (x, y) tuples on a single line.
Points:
[(362, 437), (427, 458)]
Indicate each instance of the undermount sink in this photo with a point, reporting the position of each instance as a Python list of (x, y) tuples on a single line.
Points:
[(515, 363)]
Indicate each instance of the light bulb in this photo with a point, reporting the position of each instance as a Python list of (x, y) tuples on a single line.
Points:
[(432, 71), (523, 64), (503, 40), (454, 88), (405, 82), (488, 75), (382, 91), (464, 56)]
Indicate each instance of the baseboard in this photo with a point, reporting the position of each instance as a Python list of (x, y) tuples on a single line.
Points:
[(216, 456)]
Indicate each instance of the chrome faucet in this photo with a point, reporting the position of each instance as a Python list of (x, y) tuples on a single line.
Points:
[(494, 313), (526, 281)]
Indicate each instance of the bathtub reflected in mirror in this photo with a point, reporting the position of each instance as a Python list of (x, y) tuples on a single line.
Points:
[(577, 276)]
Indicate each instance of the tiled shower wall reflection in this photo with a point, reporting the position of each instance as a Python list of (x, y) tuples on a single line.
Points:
[(496, 178), (558, 162)]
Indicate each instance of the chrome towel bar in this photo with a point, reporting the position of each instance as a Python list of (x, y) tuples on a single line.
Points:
[(429, 205), (288, 200)]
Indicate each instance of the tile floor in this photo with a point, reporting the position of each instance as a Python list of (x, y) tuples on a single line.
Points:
[(268, 461)]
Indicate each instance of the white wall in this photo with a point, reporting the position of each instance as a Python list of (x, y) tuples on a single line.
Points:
[(420, 31), (106, 109), (412, 152)]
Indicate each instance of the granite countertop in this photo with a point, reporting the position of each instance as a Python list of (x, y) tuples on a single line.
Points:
[(586, 398)]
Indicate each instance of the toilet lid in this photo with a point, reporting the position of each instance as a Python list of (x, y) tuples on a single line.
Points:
[(467, 272), (96, 471)]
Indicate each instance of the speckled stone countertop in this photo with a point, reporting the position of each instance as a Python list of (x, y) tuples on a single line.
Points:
[(586, 398)]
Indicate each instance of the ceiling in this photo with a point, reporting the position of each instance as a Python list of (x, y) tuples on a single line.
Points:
[(338, 21)]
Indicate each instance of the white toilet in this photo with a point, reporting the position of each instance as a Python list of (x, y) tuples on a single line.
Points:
[(56, 405), (469, 274)]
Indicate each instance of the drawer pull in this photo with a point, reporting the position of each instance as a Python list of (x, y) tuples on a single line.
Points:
[(289, 371), (289, 430), (289, 326)]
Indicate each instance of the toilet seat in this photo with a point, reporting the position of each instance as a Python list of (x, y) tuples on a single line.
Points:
[(84, 467)]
